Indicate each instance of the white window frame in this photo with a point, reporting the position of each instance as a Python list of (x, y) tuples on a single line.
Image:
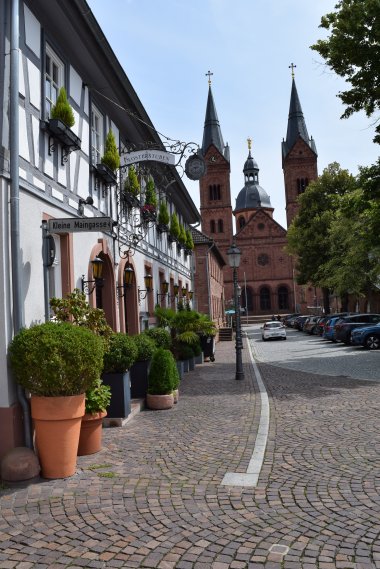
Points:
[(52, 84), (97, 135)]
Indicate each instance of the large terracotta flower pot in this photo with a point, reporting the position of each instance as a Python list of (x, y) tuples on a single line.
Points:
[(159, 402), (57, 422), (90, 440)]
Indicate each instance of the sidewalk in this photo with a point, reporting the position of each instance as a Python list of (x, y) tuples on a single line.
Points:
[(153, 496)]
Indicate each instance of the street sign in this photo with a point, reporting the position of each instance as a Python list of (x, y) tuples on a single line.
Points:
[(78, 224)]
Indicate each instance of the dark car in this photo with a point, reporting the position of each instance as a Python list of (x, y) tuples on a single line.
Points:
[(345, 325), (299, 322), (287, 319), (367, 336), (311, 324)]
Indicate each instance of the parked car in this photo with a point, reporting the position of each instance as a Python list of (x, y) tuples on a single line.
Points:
[(368, 336), (310, 325), (299, 322), (290, 317), (328, 329), (345, 325), (273, 330)]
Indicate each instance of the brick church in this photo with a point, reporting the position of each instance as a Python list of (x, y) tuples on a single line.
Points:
[(266, 272)]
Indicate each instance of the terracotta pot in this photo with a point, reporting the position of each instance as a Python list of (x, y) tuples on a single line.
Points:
[(57, 422), (90, 440), (160, 402), (176, 395)]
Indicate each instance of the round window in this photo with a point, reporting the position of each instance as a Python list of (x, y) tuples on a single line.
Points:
[(263, 259)]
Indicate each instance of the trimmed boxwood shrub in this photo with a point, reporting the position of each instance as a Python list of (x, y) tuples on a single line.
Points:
[(62, 109), (56, 359), (160, 336), (145, 347), (184, 351), (163, 373), (196, 349), (121, 355)]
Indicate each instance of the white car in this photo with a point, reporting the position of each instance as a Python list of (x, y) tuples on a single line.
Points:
[(272, 330)]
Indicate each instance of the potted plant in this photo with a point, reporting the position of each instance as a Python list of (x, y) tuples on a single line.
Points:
[(160, 336), (61, 120), (145, 347), (131, 188), (182, 236), (198, 354), (163, 218), (118, 359), (148, 210), (189, 243), (57, 362), (110, 161), (161, 380), (174, 228), (97, 399)]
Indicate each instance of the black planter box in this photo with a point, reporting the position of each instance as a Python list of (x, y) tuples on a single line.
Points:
[(106, 174), (119, 383), (61, 132), (139, 379), (129, 199)]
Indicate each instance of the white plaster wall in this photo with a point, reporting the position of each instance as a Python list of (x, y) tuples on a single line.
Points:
[(75, 128), (23, 149), (62, 170), (36, 140), (21, 86), (85, 146), (34, 77), (75, 85), (32, 31), (86, 102), (83, 178), (74, 157), (49, 160)]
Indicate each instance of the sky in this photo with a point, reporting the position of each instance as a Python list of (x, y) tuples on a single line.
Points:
[(166, 47)]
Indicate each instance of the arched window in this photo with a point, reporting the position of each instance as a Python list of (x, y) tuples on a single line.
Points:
[(212, 226), (214, 192), (220, 225), (283, 298), (302, 184), (241, 222), (265, 298)]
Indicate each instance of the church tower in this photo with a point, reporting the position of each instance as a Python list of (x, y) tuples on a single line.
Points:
[(299, 155), (215, 193)]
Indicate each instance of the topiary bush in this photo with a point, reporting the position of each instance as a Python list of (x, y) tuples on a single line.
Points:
[(183, 351), (150, 193), (145, 347), (121, 354), (111, 157), (56, 359), (160, 336), (62, 109), (161, 378), (174, 226)]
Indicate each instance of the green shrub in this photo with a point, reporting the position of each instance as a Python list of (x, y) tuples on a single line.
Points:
[(62, 109), (145, 347), (56, 359), (184, 351), (196, 348), (182, 235), (161, 378), (160, 336), (131, 184), (189, 241), (121, 354), (98, 397), (111, 157), (163, 214), (150, 193), (174, 226)]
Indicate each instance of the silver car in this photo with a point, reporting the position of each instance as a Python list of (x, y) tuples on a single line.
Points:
[(273, 330)]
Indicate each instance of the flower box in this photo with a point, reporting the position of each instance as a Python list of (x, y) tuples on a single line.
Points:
[(61, 132), (105, 173)]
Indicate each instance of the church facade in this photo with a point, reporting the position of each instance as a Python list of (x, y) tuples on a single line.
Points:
[(266, 272)]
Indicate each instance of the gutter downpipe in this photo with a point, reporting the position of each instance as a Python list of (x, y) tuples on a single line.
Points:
[(15, 200), (208, 279)]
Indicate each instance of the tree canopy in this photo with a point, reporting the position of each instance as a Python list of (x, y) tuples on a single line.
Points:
[(353, 51)]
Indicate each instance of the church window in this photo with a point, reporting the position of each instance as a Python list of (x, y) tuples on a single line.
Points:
[(263, 259), (302, 184), (265, 303), (220, 225), (214, 192), (241, 221), (283, 298), (212, 226)]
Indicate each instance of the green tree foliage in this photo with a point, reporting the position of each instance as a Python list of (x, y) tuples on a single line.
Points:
[(353, 51), (62, 109), (182, 235), (131, 184), (111, 157), (150, 193), (174, 226), (189, 240), (163, 214)]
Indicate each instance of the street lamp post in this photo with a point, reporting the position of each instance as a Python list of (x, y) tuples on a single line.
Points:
[(234, 254)]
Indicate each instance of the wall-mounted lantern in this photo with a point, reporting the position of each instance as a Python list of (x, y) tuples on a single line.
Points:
[(148, 280), (88, 287)]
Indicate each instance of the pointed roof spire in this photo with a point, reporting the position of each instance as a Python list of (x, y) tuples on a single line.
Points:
[(211, 133), (296, 121)]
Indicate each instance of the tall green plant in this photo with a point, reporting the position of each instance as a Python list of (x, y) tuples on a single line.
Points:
[(62, 109), (174, 225), (150, 193), (189, 240), (182, 235), (163, 214), (111, 157), (131, 184), (162, 378)]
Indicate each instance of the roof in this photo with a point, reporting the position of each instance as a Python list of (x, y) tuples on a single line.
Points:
[(296, 124), (252, 196), (211, 132), (200, 238)]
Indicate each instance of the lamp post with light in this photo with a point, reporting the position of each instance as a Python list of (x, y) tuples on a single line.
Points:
[(234, 255)]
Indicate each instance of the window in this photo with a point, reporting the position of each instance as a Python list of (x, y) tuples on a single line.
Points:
[(96, 135), (264, 299), (283, 298), (241, 222), (263, 259), (214, 192), (220, 225), (302, 184), (212, 226), (53, 79)]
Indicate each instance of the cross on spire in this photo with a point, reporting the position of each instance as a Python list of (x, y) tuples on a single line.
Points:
[(249, 140), (209, 77), (292, 67)]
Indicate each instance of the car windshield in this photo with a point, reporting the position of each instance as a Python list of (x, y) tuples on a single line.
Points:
[(273, 325)]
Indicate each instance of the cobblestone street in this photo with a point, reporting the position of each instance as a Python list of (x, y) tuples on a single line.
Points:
[(153, 496)]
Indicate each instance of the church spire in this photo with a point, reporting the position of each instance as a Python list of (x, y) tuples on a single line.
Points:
[(296, 122), (211, 133)]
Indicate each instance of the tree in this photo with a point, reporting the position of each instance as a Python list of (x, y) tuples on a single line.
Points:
[(308, 235), (353, 52)]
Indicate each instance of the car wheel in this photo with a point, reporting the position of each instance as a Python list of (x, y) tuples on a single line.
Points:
[(284, 338), (264, 339), (372, 342)]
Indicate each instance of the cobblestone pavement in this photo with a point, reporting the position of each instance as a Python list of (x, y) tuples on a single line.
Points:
[(152, 497)]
